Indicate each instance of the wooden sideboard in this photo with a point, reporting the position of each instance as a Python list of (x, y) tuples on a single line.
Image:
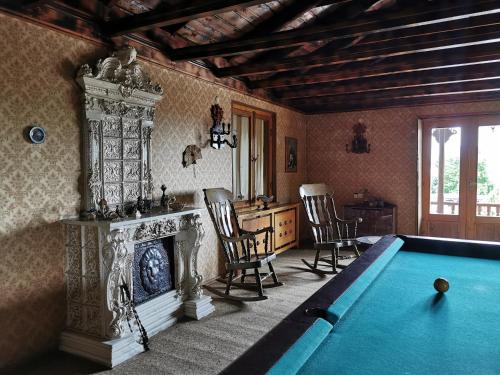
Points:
[(377, 221), (284, 218)]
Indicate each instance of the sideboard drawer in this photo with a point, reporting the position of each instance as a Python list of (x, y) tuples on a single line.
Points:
[(285, 223)]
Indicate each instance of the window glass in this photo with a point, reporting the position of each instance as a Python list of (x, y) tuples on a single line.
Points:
[(488, 171), (445, 171)]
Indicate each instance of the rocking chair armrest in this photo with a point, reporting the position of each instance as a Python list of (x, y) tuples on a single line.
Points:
[(257, 232), (321, 225), (350, 221), (243, 237)]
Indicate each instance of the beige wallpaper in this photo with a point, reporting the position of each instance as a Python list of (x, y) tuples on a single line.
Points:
[(39, 184), (390, 169)]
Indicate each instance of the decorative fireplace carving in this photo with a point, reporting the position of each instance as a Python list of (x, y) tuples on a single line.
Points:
[(119, 111)]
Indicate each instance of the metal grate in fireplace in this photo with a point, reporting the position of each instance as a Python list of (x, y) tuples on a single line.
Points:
[(153, 269)]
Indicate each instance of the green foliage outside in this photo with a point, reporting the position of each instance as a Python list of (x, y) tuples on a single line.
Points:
[(452, 178)]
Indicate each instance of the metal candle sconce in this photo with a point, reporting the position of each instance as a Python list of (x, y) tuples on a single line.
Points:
[(219, 129), (359, 144)]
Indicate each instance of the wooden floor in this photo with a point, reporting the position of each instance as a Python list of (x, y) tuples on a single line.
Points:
[(209, 345)]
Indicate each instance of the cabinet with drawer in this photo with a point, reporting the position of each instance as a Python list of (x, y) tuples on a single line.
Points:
[(283, 218), (256, 223), (377, 221)]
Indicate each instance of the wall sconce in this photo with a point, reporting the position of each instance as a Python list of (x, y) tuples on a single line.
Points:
[(359, 144), (219, 130)]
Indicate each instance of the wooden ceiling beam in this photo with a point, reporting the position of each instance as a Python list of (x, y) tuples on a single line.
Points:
[(373, 103), (436, 43), (426, 14), (429, 61), (408, 93), (32, 3), (175, 15), (386, 84), (281, 18)]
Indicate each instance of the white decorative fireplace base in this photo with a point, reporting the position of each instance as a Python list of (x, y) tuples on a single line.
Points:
[(100, 257)]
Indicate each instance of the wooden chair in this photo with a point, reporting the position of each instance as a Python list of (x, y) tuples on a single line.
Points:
[(329, 231), (240, 248)]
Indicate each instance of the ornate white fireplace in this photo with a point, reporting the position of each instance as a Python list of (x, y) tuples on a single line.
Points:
[(99, 260), (101, 253)]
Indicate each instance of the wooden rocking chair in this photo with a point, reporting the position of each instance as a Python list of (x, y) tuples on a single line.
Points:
[(329, 231), (238, 245)]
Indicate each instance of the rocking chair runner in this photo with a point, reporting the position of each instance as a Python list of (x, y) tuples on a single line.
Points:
[(238, 245), (329, 231)]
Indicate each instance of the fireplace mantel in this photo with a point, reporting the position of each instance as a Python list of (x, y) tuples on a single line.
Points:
[(99, 259)]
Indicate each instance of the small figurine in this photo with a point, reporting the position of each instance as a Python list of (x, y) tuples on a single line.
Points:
[(119, 212), (89, 215), (103, 206), (170, 200), (141, 207), (163, 200), (104, 213)]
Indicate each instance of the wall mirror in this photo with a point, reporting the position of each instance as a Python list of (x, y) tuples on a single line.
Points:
[(254, 159)]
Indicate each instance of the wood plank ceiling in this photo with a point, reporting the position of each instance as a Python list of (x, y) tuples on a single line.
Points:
[(317, 55)]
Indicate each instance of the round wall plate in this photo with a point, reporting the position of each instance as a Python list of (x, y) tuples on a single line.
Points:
[(37, 135)]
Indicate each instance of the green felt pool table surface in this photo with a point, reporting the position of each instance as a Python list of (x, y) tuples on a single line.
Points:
[(400, 325), (382, 315)]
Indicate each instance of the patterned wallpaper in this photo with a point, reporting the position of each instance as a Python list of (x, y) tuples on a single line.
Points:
[(389, 171), (39, 184)]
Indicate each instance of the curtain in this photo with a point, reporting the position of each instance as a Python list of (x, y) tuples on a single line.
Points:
[(260, 157), (241, 173)]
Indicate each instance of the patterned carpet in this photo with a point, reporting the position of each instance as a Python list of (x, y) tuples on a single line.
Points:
[(209, 345)]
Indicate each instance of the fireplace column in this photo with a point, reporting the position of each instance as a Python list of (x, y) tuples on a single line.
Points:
[(188, 244)]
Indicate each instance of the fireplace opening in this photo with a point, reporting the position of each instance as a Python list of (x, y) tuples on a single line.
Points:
[(153, 272)]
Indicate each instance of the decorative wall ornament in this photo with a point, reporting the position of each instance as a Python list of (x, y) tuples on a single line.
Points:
[(190, 155), (36, 134), (119, 111), (219, 129), (359, 144), (291, 154), (123, 69)]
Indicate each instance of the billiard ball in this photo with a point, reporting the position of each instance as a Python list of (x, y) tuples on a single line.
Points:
[(441, 285)]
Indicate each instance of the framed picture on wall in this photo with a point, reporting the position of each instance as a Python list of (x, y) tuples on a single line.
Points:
[(290, 154)]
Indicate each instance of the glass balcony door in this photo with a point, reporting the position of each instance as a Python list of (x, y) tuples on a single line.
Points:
[(460, 182)]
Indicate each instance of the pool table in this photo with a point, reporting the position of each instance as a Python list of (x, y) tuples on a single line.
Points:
[(382, 315)]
